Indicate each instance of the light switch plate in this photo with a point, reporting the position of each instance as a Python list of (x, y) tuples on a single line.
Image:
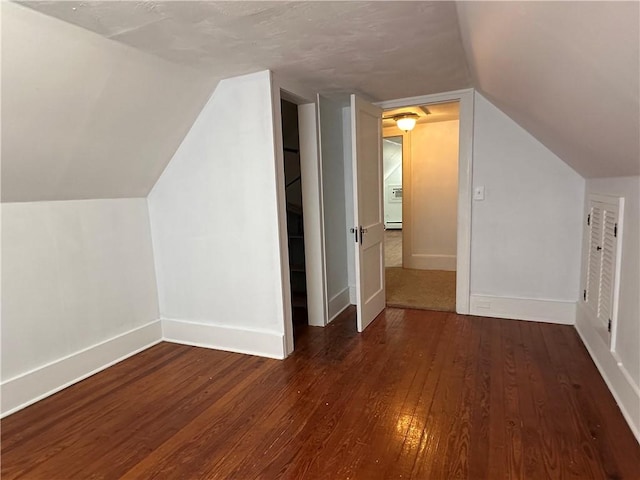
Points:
[(478, 193)]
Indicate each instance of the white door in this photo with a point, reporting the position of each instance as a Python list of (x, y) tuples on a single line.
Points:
[(602, 263), (366, 128)]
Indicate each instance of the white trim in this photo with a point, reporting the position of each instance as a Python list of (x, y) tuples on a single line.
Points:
[(613, 200), (293, 91), (531, 309), (27, 388), (339, 302), (311, 176), (314, 248), (425, 99), (621, 385), (627, 376), (465, 169), (618, 203), (616, 279), (422, 261), (281, 209), (353, 297), (240, 340)]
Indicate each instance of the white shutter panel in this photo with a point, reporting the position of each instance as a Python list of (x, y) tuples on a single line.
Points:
[(608, 264), (601, 262), (594, 235)]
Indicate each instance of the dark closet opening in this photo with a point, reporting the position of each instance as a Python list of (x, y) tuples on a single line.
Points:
[(295, 224)]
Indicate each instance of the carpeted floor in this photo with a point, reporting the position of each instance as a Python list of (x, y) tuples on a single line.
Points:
[(421, 289), (393, 248)]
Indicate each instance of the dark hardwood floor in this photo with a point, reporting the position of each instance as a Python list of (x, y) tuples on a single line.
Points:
[(423, 395)]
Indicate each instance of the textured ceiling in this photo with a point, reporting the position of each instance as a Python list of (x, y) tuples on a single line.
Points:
[(438, 112), (88, 117), (568, 72), (384, 50)]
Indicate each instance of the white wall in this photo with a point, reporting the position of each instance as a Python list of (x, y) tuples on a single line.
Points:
[(214, 222), (620, 368), (433, 193), (526, 234), (334, 172), (78, 292), (86, 116)]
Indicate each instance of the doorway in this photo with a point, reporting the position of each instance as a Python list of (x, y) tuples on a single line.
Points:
[(318, 295), (421, 193), (294, 214), (392, 197)]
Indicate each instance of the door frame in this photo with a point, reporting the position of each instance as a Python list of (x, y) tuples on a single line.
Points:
[(406, 192), (405, 141), (465, 179), (313, 217)]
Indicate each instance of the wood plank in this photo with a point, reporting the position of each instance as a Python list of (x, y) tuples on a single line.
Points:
[(418, 395), (479, 451)]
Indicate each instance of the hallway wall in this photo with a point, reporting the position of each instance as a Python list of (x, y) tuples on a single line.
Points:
[(430, 188)]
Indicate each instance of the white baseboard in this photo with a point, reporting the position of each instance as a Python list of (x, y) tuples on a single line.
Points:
[(252, 342), (615, 375), (27, 388), (339, 302), (432, 262), (549, 311)]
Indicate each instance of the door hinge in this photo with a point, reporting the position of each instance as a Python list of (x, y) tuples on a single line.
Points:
[(354, 230), (589, 219), (609, 326), (584, 295), (615, 229)]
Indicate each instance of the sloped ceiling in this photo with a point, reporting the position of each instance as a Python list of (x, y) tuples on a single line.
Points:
[(85, 117), (97, 109), (568, 72)]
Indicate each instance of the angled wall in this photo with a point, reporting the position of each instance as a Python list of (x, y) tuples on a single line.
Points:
[(526, 233), (568, 72), (84, 116), (215, 230), (78, 292)]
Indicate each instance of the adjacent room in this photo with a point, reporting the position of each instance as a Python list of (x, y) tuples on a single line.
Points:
[(420, 161), (318, 240)]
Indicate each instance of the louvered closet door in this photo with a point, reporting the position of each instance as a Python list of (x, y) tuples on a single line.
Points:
[(607, 265), (594, 223), (602, 224)]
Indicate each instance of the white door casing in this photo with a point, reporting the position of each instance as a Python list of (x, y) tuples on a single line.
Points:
[(465, 168), (366, 128)]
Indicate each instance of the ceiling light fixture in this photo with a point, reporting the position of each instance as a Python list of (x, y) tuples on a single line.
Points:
[(406, 121)]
